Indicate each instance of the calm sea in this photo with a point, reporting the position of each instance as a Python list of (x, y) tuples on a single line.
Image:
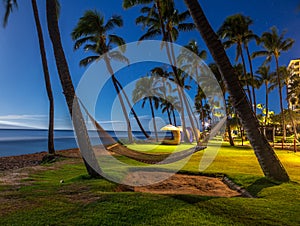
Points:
[(27, 141)]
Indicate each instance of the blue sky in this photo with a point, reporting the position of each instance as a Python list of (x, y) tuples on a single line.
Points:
[(22, 92)]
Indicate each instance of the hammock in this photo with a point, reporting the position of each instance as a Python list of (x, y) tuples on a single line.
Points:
[(112, 145)]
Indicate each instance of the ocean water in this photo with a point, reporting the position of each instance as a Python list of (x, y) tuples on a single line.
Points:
[(27, 141)]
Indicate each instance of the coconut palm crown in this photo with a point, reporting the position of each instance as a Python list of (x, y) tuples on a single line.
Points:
[(92, 32)]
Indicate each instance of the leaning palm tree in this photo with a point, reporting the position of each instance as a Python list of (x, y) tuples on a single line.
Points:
[(273, 44), (92, 32), (145, 90), (266, 156), (69, 91), (9, 8)]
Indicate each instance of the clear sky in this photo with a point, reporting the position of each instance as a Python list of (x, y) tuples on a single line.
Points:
[(22, 91)]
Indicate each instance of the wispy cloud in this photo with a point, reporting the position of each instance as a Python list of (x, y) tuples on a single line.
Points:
[(22, 117)]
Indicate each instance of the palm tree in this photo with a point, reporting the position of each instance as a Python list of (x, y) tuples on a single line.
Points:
[(164, 87), (46, 77), (9, 8), (266, 78), (235, 30), (92, 31), (163, 19), (145, 90), (274, 44), (69, 91), (266, 156)]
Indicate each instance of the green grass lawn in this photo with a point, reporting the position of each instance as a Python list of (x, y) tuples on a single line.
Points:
[(81, 200)]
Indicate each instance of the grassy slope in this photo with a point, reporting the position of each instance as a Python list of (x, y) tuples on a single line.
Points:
[(81, 200)]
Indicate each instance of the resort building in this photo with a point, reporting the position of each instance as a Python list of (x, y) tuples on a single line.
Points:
[(294, 68)]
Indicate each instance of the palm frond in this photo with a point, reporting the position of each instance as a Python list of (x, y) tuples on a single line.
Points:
[(115, 20), (117, 40), (184, 16), (227, 44), (259, 53), (287, 44), (88, 60), (150, 34), (117, 55), (81, 41), (131, 3), (186, 27), (90, 23)]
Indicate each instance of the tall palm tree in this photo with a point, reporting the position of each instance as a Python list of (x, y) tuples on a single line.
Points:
[(235, 30), (10, 4), (51, 149), (161, 18), (266, 78), (273, 44), (92, 31), (145, 90), (69, 91), (266, 156)]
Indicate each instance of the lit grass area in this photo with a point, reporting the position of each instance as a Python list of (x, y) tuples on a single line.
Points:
[(160, 148), (80, 200)]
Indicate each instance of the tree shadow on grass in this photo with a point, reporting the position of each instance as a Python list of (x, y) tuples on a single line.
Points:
[(259, 185), (192, 199)]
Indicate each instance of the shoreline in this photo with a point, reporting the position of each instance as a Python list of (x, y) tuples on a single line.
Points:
[(28, 160)]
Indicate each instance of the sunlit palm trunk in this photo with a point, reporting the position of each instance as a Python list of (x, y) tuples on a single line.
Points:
[(266, 156), (280, 99), (69, 92), (51, 149), (252, 78), (114, 80)]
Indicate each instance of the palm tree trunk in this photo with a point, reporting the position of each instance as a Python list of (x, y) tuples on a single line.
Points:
[(280, 99), (174, 67), (153, 116), (51, 149), (231, 142), (174, 118), (132, 110), (252, 78), (86, 148), (191, 118), (267, 103), (114, 80), (245, 74), (169, 116), (266, 156)]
